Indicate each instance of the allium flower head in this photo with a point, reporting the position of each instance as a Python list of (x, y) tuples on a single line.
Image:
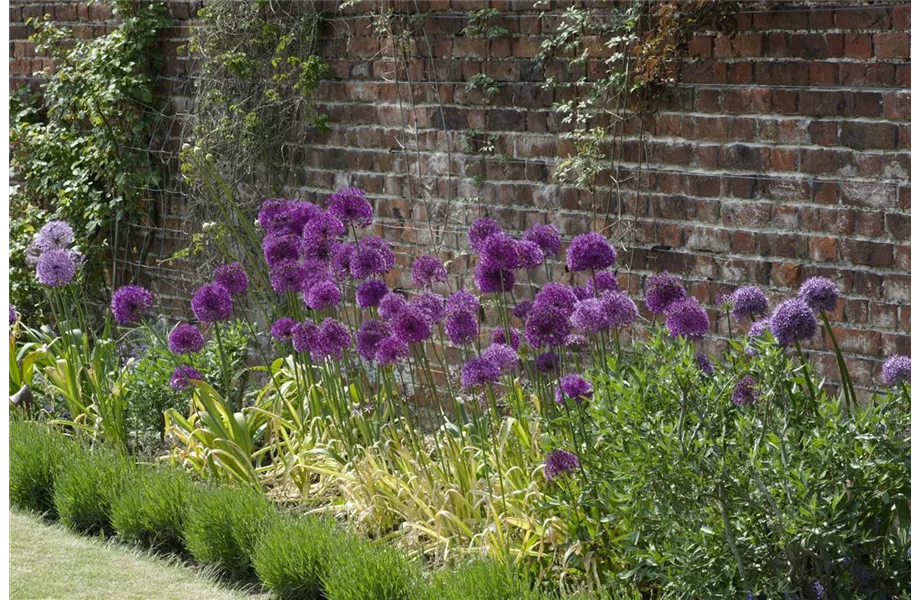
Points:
[(54, 235), (13, 316), (183, 376), (661, 291), (498, 337), (351, 207), (462, 301), (502, 356), (478, 371), (283, 329), (301, 213), (185, 338), (369, 293), (274, 216), (369, 336), (793, 321), (620, 308), (820, 293), (491, 281), (590, 316), (212, 303), (687, 318), (546, 237), (280, 248), (745, 392), (391, 305), (324, 225), (461, 327), (522, 309), (333, 339), (556, 295), (546, 362), (369, 260), (529, 255), (130, 303), (573, 387), (896, 370), (748, 302), (324, 294), (576, 342), (705, 365), (481, 230), (559, 463), (411, 325), (603, 281), (391, 350), (342, 255), (305, 336), (383, 248), (758, 327), (428, 270), (546, 325), (431, 306), (55, 268), (499, 253), (590, 251), (582, 292), (287, 277), (232, 277)]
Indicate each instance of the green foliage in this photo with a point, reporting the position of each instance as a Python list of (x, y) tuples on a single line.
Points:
[(36, 453), (86, 486), (359, 570), (480, 24), (483, 83), (152, 507), (482, 580), (292, 557)]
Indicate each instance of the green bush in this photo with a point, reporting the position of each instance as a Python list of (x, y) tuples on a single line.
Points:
[(152, 508), (36, 452), (224, 527), (482, 580), (292, 558), (359, 570), (86, 486)]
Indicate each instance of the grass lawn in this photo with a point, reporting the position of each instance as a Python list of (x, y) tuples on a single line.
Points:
[(47, 561)]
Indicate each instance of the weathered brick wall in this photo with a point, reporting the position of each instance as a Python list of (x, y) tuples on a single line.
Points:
[(783, 153)]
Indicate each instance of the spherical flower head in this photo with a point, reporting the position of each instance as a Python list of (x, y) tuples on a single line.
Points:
[(305, 336), (278, 248), (620, 309), (370, 293), (556, 295), (212, 303), (391, 350), (481, 230), (748, 302), (529, 255), (498, 337), (428, 270), (758, 327), (324, 294), (582, 292), (705, 365), (55, 268), (746, 392), (793, 321), (369, 336), (232, 277), (573, 387), (590, 251), (576, 342), (478, 371), (492, 281), (462, 301), (499, 252), (287, 277), (283, 329), (896, 370), (661, 291), (185, 338), (411, 325), (546, 325), (820, 293), (54, 235), (687, 318), (546, 237), (559, 463), (301, 213), (183, 376), (351, 207), (603, 281), (342, 255), (391, 305), (13, 316), (546, 363), (502, 356), (590, 316), (324, 225), (431, 305), (384, 250), (522, 309), (130, 303), (274, 215), (333, 339), (314, 272), (462, 328), (369, 260)]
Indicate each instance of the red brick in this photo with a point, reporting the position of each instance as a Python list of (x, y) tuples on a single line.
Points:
[(816, 46), (823, 73), (870, 224), (857, 340), (785, 102), (784, 159), (868, 104), (902, 76), (782, 73), (857, 45), (900, 16), (780, 19), (896, 105), (822, 249), (868, 74), (823, 133), (838, 222), (892, 45), (824, 160), (701, 45), (862, 135), (868, 254), (826, 103), (850, 17)]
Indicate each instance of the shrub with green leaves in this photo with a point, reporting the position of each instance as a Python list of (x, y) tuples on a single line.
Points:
[(36, 453), (360, 570), (152, 508), (293, 555), (86, 486), (482, 580)]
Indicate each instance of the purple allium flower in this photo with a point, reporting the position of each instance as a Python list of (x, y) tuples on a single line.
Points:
[(499, 253), (351, 207), (559, 463), (185, 338), (305, 336), (315, 271), (342, 255), (502, 356), (130, 303), (705, 365), (576, 342), (301, 213), (411, 325), (428, 270), (324, 226), (55, 268), (481, 230), (498, 337), (687, 318), (369, 336), (283, 329), (745, 392), (368, 260), (661, 291), (211, 303), (590, 316), (462, 301), (370, 293), (461, 327), (793, 321), (556, 295), (478, 371), (391, 350), (280, 248), (590, 251), (13, 316), (748, 302), (333, 339), (582, 292), (232, 277), (819, 590), (183, 376), (529, 255), (384, 250), (546, 325), (896, 370), (603, 281), (820, 293), (391, 305), (324, 294), (546, 237), (491, 281), (573, 387), (758, 327), (521, 310), (621, 310), (431, 306), (54, 235), (546, 362), (274, 215), (287, 277)]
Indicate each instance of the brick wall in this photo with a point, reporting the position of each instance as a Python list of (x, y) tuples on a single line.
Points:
[(783, 153)]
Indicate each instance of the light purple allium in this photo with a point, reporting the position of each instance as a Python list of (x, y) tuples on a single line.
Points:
[(793, 321), (620, 308), (559, 463), (370, 293), (431, 306), (521, 310), (745, 392), (590, 316), (498, 337), (480, 231), (573, 387), (274, 215), (603, 281), (280, 248), (32, 254), (687, 318), (391, 305), (428, 270), (369, 336), (478, 371), (546, 362), (283, 329), (529, 255), (384, 250), (13, 316), (55, 268), (758, 327), (502, 356), (556, 295), (232, 277), (896, 370), (546, 237), (333, 339), (130, 303), (185, 338), (748, 302), (391, 350), (211, 303), (462, 301), (661, 291), (301, 213), (54, 235), (576, 342), (546, 325), (705, 365), (342, 255), (819, 590), (461, 327), (287, 277), (492, 281), (499, 253), (305, 336), (582, 292), (324, 226), (183, 376), (820, 293), (369, 260), (351, 207), (411, 325), (324, 294), (590, 251)]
